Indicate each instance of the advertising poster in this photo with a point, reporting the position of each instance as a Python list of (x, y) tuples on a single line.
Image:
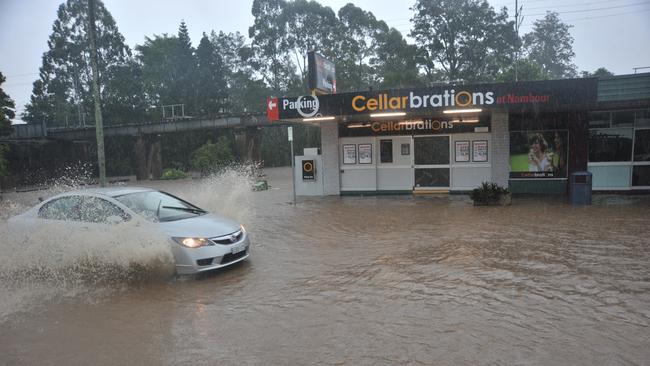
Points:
[(365, 154), (480, 150), (349, 154), (462, 151), (538, 154)]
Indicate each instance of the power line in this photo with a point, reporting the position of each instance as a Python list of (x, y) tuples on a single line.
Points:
[(595, 9), (600, 16)]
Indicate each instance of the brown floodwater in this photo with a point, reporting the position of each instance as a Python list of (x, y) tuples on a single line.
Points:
[(354, 281)]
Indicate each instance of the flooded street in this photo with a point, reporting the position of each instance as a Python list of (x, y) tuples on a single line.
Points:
[(356, 281)]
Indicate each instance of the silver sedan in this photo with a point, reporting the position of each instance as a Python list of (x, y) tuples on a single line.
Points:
[(200, 241)]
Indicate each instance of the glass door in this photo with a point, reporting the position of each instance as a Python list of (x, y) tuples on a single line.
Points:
[(431, 162)]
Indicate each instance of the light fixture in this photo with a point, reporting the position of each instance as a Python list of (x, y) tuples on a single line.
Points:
[(473, 120), (454, 111), (389, 114), (358, 125), (313, 119)]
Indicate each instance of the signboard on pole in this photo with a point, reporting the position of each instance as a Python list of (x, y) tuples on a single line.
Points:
[(322, 74), (290, 133)]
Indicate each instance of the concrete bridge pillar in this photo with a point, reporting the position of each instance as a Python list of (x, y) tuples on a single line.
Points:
[(253, 151), (148, 153)]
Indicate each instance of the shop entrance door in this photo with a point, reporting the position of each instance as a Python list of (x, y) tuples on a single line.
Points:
[(431, 162)]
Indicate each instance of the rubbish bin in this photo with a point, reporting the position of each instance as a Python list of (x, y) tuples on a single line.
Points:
[(580, 188)]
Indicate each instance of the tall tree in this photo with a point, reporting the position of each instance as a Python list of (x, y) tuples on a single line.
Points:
[(246, 90), (6, 110), (357, 43), (395, 61), (63, 91), (210, 79), (466, 39), (550, 45), (270, 45)]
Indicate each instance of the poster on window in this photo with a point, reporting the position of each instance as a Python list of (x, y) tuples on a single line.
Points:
[(462, 151), (538, 154), (480, 151), (349, 154), (365, 153)]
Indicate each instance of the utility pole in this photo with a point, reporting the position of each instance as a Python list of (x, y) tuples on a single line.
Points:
[(517, 24), (99, 124)]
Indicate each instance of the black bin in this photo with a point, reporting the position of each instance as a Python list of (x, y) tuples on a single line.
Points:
[(580, 188)]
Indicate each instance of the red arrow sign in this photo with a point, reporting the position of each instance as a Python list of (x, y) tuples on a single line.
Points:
[(272, 109)]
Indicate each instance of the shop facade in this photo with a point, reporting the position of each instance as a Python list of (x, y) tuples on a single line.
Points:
[(528, 136)]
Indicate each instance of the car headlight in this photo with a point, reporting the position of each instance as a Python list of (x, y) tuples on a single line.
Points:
[(191, 242)]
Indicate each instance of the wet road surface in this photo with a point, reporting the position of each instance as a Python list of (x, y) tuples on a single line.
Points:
[(367, 281)]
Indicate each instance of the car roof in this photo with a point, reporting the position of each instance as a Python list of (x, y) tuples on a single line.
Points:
[(108, 191)]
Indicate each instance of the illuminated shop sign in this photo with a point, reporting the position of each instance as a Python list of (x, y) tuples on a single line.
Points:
[(553, 95), (425, 126)]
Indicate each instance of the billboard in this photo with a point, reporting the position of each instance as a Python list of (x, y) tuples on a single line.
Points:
[(538, 154), (322, 73)]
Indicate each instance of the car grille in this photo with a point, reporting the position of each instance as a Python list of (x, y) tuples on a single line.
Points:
[(233, 257), (228, 239)]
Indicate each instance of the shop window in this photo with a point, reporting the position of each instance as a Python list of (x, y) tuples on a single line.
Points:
[(431, 150), (642, 145), (642, 119), (611, 144), (386, 151), (599, 119), (641, 175), (623, 119)]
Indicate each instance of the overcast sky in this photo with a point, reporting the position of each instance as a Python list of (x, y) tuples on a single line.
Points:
[(608, 33)]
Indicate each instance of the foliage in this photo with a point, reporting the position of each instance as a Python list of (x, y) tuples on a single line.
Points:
[(64, 90), (211, 156), (6, 110), (488, 193), (4, 165), (601, 72), (172, 173), (550, 46), (466, 39)]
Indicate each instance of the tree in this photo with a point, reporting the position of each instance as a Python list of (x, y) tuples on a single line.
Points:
[(550, 46), (395, 61), (63, 92), (6, 115), (246, 91), (6, 110), (271, 58), (210, 79), (466, 39), (357, 42), (601, 72)]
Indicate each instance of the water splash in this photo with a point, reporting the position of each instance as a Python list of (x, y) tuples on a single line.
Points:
[(88, 261)]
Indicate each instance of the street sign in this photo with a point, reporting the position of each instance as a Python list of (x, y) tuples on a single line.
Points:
[(290, 132), (308, 170), (272, 109)]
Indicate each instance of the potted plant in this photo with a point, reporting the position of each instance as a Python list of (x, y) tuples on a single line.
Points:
[(491, 194)]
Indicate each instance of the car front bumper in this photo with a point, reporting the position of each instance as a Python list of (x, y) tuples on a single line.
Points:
[(211, 257)]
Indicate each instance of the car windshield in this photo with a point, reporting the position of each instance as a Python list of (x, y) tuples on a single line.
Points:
[(159, 206)]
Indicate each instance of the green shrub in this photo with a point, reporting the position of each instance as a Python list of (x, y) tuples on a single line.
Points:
[(488, 193), (173, 174), (210, 157)]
